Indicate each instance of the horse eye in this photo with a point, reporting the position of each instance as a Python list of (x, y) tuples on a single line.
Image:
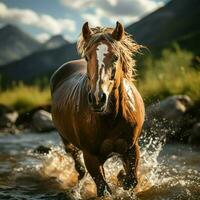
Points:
[(86, 58), (113, 73), (115, 58)]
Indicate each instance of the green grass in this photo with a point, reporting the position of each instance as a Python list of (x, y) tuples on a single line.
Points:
[(171, 74), (22, 97)]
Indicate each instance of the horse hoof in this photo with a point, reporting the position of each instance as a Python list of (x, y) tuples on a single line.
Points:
[(102, 191), (129, 183), (121, 176), (81, 173)]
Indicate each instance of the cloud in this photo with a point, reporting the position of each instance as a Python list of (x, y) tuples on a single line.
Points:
[(77, 4), (30, 18), (43, 37), (127, 7), (93, 19), (126, 11)]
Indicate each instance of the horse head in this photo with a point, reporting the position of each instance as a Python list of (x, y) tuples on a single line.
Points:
[(103, 65)]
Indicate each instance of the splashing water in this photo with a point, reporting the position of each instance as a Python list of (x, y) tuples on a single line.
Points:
[(166, 171)]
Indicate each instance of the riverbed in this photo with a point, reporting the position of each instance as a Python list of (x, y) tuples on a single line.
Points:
[(167, 171)]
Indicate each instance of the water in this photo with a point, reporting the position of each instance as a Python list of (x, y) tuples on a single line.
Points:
[(167, 172)]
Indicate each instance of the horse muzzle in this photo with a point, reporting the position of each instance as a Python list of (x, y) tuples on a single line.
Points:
[(97, 104)]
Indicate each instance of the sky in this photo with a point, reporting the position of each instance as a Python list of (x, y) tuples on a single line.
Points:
[(45, 18)]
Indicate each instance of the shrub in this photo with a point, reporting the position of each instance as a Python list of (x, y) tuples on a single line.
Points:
[(169, 75), (22, 97)]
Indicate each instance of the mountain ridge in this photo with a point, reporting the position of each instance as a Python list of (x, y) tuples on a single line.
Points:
[(38, 64), (55, 41), (178, 18), (15, 44), (157, 30)]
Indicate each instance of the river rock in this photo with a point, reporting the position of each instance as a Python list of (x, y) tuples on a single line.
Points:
[(8, 116), (194, 138), (25, 118), (42, 121), (42, 149), (166, 118), (170, 108)]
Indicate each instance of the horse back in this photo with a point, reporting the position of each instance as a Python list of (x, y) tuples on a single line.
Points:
[(68, 92), (65, 71)]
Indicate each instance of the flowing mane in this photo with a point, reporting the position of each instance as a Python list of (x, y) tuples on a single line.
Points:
[(125, 49)]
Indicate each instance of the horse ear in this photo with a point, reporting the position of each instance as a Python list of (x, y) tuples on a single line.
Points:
[(118, 32), (86, 31)]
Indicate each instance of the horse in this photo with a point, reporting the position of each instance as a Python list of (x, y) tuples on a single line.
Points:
[(96, 107)]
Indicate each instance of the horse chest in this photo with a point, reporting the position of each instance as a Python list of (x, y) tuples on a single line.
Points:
[(107, 138), (117, 139)]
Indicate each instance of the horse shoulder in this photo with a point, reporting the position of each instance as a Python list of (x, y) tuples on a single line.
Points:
[(135, 101), (65, 71), (139, 100), (139, 114)]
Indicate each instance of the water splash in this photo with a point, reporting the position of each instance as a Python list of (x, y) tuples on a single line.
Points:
[(59, 166)]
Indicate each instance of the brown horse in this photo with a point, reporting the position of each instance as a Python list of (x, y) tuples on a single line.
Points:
[(96, 107)]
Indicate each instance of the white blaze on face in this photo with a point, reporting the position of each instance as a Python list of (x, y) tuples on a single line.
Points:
[(101, 51)]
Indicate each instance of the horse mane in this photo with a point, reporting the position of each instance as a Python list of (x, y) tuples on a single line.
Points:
[(125, 49)]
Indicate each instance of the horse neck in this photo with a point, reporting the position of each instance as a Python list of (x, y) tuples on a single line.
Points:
[(125, 99)]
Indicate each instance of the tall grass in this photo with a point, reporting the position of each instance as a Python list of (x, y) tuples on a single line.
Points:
[(22, 97), (169, 75)]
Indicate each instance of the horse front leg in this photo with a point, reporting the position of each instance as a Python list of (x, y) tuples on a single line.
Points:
[(130, 162), (75, 153), (95, 168)]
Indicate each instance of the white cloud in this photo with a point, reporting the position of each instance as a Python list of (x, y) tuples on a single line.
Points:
[(42, 37), (93, 19), (31, 18), (77, 4), (126, 11), (125, 7), (69, 38), (128, 7), (113, 2)]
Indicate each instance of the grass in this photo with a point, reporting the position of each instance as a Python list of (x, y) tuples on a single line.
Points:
[(22, 97), (170, 74)]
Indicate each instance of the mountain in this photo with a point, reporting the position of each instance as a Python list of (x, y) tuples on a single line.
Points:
[(54, 42), (178, 21), (41, 63), (15, 44)]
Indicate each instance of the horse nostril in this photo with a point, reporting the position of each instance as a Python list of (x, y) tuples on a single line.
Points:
[(90, 97), (102, 97)]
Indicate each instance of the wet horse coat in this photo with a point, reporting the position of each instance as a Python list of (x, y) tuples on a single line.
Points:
[(98, 135)]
